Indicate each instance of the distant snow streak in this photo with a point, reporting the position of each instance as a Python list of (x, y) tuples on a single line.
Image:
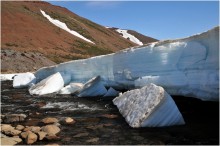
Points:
[(126, 35), (64, 27)]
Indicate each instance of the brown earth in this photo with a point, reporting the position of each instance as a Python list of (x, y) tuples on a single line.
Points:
[(24, 29)]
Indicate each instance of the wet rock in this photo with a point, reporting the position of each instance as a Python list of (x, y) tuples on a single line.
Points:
[(51, 129), (69, 120), (81, 134), (33, 129), (41, 135), (12, 132), (31, 138), (6, 127), (19, 127), (110, 116), (52, 137), (93, 140), (10, 140), (49, 120), (95, 127), (53, 144), (25, 134), (14, 118)]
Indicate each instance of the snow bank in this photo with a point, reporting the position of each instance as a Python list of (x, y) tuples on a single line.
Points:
[(127, 35), (186, 67), (51, 84), (64, 27), (149, 106), (5, 77), (24, 80), (71, 88), (92, 88)]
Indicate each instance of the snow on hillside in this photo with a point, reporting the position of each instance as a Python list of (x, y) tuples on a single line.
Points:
[(187, 67), (126, 35), (64, 27)]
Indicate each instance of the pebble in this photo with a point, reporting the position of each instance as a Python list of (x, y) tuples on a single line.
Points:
[(69, 120), (31, 138), (41, 135), (81, 134), (49, 120), (19, 127), (14, 118), (110, 116), (51, 129), (93, 140)]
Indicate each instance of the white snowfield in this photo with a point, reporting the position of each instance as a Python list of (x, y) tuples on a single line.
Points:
[(127, 35), (187, 67), (64, 27), (149, 106)]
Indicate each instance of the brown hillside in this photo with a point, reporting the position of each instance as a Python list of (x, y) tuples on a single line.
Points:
[(24, 28)]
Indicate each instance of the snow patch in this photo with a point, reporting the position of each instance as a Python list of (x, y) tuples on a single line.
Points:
[(64, 27), (127, 35)]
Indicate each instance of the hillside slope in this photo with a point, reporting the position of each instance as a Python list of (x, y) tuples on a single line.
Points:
[(25, 29)]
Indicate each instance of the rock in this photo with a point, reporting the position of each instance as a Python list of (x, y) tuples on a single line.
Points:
[(10, 140), (31, 138), (14, 118), (52, 137), (69, 120), (95, 127), (6, 127), (150, 106), (12, 132), (24, 80), (110, 116), (51, 84), (81, 134), (25, 134), (53, 144), (94, 87), (41, 135), (51, 129), (93, 140), (49, 120), (19, 127), (33, 129)]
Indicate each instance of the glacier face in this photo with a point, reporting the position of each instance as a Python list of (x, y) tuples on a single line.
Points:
[(187, 67)]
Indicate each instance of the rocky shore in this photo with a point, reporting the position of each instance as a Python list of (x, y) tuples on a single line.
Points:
[(97, 121)]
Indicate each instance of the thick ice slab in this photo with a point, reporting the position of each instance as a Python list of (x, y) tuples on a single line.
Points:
[(149, 106), (186, 67), (111, 93), (24, 80), (71, 88), (51, 84), (92, 88)]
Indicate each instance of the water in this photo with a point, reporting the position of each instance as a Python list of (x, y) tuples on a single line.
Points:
[(202, 119)]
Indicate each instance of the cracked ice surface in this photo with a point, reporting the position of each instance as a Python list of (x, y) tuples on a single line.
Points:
[(149, 106), (187, 67)]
